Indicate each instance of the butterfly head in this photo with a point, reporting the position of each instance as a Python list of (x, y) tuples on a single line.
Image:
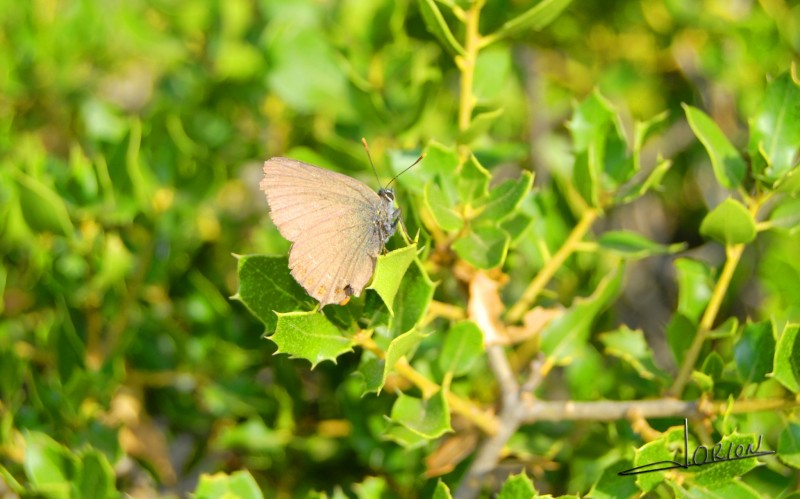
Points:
[(387, 194)]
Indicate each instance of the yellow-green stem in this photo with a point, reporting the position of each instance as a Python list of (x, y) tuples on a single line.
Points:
[(733, 255), (547, 272), (466, 64)]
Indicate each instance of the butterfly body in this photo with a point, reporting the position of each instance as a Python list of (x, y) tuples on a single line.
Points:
[(337, 226)]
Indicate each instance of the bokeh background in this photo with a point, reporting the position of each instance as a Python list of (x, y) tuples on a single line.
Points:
[(131, 140)]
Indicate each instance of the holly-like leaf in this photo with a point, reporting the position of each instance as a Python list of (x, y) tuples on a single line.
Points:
[(462, 347), (729, 167), (267, 286), (483, 247), (428, 418), (310, 336), (389, 272), (787, 358), (775, 130), (517, 487), (722, 472), (729, 223), (375, 370)]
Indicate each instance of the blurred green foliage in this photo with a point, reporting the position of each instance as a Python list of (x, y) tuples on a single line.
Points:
[(131, 140)]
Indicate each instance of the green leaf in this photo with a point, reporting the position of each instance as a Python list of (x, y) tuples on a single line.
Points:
[(723, 472), (611, 485), (694, 287), (239, 485), (703, 381), (729, 223), (46, 461), (517, 487), (680, 332), (480, 124), (434, 21), (389, 272), (483, 247), (492, 71), (462, 347), (567, 334), (310, 336), (399, 347), (631, 347), (472, 181), (635, 245), (442, 491), (267, 286), (427, 418), (789, 445), (787, 358), (372, 371), (729, 167), (504, 199), (754, 351), (652, 181), (536, 18), (404, 437), (413, 299), (775, 130), (96, 477), (42, 208), (517, 226), (654, 452), (439, 160), (786, 215), (443, 207)]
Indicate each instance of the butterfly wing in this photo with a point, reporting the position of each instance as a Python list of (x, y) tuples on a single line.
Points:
[(329, 218)]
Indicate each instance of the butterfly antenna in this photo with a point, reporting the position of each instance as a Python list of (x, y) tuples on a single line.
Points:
[(421, 157), (369, 156)]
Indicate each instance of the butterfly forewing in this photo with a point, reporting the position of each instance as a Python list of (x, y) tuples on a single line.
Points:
[(329, 218)]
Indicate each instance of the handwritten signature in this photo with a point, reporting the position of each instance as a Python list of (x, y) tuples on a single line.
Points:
[(702, 455)]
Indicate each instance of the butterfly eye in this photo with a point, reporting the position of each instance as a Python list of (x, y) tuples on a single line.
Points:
[(387, 194)]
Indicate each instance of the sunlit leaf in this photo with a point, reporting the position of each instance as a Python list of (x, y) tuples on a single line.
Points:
[(389, 272), (310, 336), (775, 130), (729, 167), (239, 484), (428, 418), (729, 223), (787, 358)]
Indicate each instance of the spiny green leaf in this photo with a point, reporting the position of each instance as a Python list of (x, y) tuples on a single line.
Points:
[(722, 472), (389, 272), (729, 223), (517, 487), (729, 167), (310, 336), (266, 285), (399, 347)]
